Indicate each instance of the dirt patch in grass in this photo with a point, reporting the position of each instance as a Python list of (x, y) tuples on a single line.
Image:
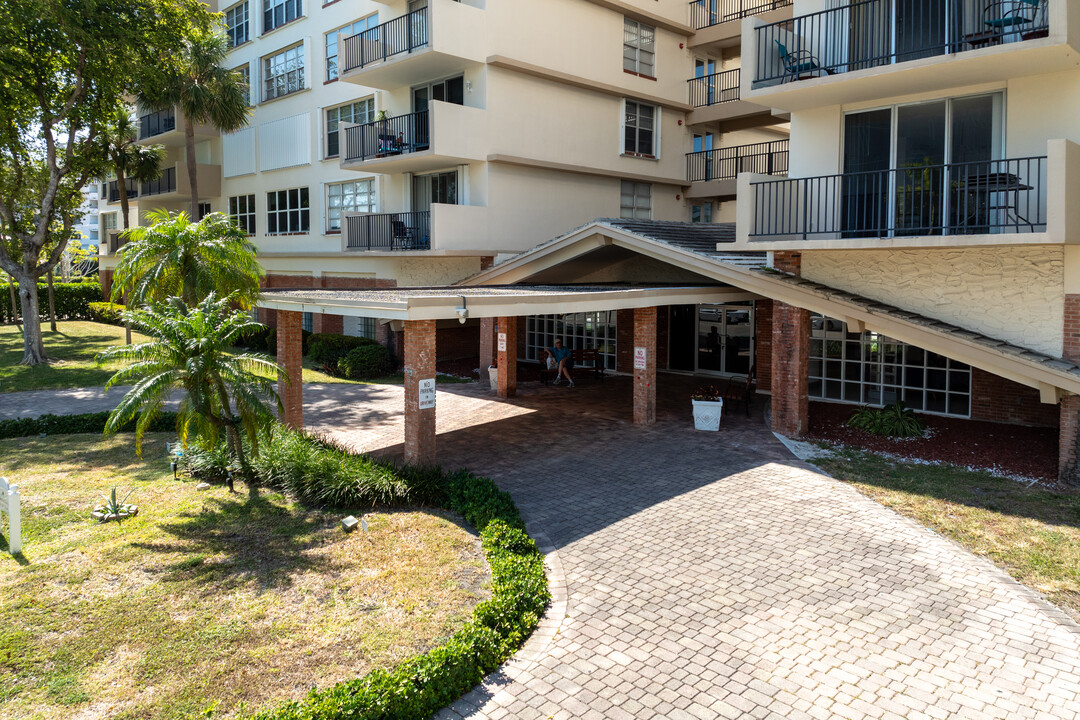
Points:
[(1012, 449), (206, 598), (1033, 533)]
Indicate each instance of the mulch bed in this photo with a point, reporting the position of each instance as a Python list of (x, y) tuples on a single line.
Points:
[(1013, 449)]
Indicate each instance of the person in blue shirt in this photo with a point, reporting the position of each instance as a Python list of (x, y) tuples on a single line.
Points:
[(564, 362)]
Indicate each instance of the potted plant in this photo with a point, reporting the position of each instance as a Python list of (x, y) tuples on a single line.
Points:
[(493, 375), (707, 407)]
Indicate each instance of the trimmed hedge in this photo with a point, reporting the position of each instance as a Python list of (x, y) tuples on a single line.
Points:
[(72, 300), (106, 312), (328, 349), (71, 424), (365, 362), (317, 470), (271, 341)]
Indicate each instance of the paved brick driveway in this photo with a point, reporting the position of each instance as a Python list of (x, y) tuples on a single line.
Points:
[(704, 576)]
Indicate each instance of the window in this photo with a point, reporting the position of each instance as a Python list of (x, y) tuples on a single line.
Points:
[(576, 330), (638, 54), (701, 213), (287, 211), (635, 201), (283, 73), (358, 327), (332, 40), (278, 12), (242, 211), (451, 90), (307, 322), (359, 112), (638, 132), (245, 76), (346, 197), (872, 369), (204, 209), (236, 25), (108, 222)]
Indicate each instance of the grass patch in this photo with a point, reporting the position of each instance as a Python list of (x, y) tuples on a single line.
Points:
[(71, 350), (312, 374), (1032, 533), (206, 597)]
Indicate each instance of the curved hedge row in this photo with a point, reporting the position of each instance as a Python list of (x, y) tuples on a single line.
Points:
[(71, 424)]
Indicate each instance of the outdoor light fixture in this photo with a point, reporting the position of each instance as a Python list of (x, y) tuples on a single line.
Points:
[(462, 312), (173, 466)]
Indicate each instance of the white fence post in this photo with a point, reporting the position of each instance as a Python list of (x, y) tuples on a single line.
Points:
[(9, 503)]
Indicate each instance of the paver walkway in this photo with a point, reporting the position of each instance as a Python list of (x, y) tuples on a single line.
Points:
[(703, 575)]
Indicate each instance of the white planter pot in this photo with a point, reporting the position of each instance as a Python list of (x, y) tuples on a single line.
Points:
[(707, 414), (493, 378)]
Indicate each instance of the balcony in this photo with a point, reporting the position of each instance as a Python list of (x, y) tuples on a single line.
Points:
[(166, 127), (156, 123), (114, 190), (713, 173), (173, 183), (718, 21), (717, 98), (445, 228), (445, 134), (874, 49), (434, 41), (164, 185), (116, 241)]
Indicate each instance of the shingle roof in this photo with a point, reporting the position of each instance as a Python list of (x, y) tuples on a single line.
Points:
[(699, 238)]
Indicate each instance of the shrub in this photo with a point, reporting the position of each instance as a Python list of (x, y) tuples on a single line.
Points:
[(72, 300), (318, 470), (328, 349), (258, 340), (106, 312), (892, 421), (70, 424), (365, 362), (271, 341)]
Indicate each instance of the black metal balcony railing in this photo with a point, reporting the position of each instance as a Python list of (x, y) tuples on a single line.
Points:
[(397, 135), (166, 183), (114, 190), (117, 240), (714, 89), (767, 158), (872, 33), (156, 123), (389, 231), (972, 198), (400, 35), (705, 13)]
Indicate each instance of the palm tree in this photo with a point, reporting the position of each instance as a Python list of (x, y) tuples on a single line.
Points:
[(128, 159), (191, 350), (203, 90), (173, 256)]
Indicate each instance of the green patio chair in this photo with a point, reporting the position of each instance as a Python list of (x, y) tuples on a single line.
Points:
[(799, 62), (1009, 17)]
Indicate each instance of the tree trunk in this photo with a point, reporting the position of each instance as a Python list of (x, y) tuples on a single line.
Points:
[(14, 303), (192, 166), (52, 304), (33, 349)]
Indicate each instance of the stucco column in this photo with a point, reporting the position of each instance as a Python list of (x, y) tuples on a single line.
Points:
[(790, 370), (487, 346), (506, 351), (645, 365), (290, 356), (419, 353)]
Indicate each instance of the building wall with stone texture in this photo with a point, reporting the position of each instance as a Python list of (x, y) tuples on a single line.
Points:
[(1010, 293)]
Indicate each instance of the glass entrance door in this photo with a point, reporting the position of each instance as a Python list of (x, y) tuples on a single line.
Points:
[(725, 339)]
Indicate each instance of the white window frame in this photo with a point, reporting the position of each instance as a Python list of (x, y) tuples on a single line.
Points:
[(293, 75), (369, 101), (598, 330), (245, 73), (365, 23), (705, 212), (637, 106), (340, 209), (247, 213), (271, 6), (360, 327), (639, 48), (230, 30), (635, 193), (301, 213)]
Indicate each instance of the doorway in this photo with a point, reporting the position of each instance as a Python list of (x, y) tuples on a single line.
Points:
[(712, 339)]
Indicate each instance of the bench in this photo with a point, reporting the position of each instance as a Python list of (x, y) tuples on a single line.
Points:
[(584, 359)]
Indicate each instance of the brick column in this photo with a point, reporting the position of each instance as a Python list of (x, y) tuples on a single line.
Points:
[(790, 370), (487, 346), (645, 377), (506, 350), (419, 355), (789, 262), (1069, 427), (290, 356)]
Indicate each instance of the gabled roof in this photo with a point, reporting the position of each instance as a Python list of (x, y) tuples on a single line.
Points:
[(685, 245)]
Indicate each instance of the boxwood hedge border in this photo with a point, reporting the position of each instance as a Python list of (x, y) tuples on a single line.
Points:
[(418, 687)]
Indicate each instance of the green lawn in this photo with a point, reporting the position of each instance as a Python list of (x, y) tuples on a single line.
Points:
[(1032, 533), (71, 349), (205, 597)]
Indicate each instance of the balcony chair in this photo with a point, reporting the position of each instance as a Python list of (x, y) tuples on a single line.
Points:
[(798, 63), (1011, 17), (403, 237)]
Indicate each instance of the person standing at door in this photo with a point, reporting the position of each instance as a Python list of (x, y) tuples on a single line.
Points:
[(712, 343)]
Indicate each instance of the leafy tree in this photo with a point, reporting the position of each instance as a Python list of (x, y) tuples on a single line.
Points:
[(204, 90), (191, 351), (66, 67), (173, 256), (119, 143)]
